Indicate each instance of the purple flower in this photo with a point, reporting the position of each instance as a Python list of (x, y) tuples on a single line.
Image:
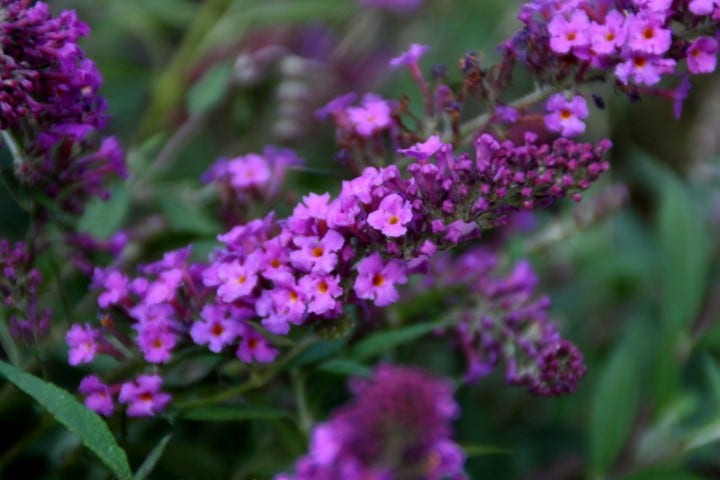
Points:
[(156, 340), (566, 34), (411, 57), (216, 329), (372, 117), (253, 347), (703, 7), (317, 255), (702, 55), (248, 171), (565, 116), (97, 395), (392, 215), (608, 37), (376, 281), (643, 69), (322, 292), (238, 279), (83, 343), (424, 150), (143, 396), (646, 35)]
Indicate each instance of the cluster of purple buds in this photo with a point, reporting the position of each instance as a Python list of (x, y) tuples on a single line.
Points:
[(636, 42), (396, 428), (249, 180), (49, 99), (505, 321), (19, 290)]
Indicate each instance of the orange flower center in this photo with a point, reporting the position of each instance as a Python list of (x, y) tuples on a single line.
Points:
[(378, 280), (317, 252)]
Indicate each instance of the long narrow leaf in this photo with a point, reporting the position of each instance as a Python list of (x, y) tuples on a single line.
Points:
[(86, 424)]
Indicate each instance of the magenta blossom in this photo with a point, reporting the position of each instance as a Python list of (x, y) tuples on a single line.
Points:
[(97, 395), (372, 117), (82, 341), (216, 329), (143, 396), (254, 347), (411, 57), (566, 34), (391, 216), (644, 69), (565, 116), (702, 55), (376, 281)]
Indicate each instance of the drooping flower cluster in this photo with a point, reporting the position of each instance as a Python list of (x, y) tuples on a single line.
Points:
[(19, 286), (49, 99), (396, 428), (636, 42), (503, 320)]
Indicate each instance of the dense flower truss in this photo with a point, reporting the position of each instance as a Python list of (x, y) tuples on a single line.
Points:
[(19, 286), (396, 428), (331, 252), (501, 319), (636, 42), (49, 99)]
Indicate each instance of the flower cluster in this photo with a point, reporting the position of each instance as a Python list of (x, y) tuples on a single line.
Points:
[(250, 179), (505, 321), (19, 287), (142, 396), (327, 255), (397, 427), (49, 99), (635, 42)]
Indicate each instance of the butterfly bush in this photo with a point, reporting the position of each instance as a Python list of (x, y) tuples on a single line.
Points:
[(419, 188), (424, 194)]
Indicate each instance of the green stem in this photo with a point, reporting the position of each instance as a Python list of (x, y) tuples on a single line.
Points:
[(304, 417), (254, 382), (472, 125)]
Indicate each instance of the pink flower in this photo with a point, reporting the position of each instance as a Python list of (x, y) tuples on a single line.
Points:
[(644, 69), (254, 347), (115, 285), (646, 35), (281, 306), (565, 116), (702, 55), (312, 206), (216, 329), (97, 395), (238, 279), (391, 216), (703, 7), (156, 340), (567, 34), (143, 396), (248, 171), (411, 57), (610, 36), (317, 255), (425, 150), (82, 341), (163, 289), (376, 281), (322, 292), (371, 117)]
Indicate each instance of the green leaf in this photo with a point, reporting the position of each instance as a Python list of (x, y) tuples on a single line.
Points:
[(208, 91), (184, 215), (151, 460), (102, 218), (86, 424), (383, 341), (662, 474), (712, 371), (232, 413), (683, 244), (614, 407), (476, 450), (345, 367)]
